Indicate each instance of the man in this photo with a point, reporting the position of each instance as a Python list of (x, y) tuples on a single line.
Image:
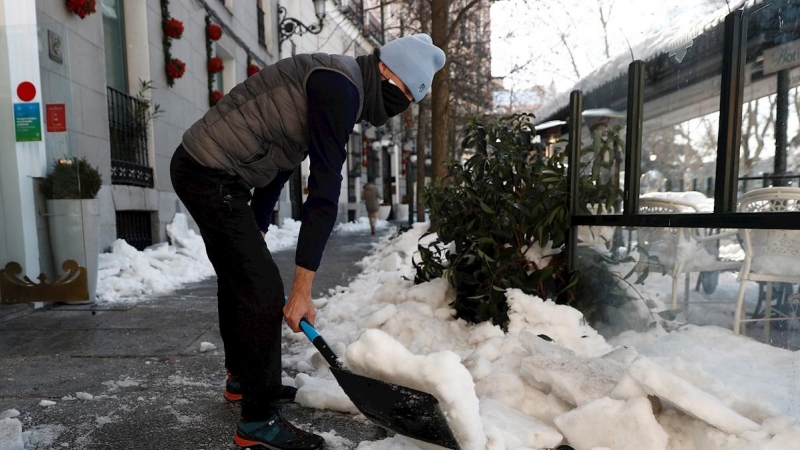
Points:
[(373, 204), (255, 137)]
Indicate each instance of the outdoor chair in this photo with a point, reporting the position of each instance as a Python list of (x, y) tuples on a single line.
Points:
[(771, 256), (682, 250)]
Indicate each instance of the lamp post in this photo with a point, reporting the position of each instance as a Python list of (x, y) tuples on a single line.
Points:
[(288, 26)]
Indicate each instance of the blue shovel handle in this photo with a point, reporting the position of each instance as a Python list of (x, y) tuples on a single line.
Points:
[(313, 335)]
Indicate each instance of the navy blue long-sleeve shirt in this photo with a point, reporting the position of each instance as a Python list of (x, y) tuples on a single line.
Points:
[(332, 107)]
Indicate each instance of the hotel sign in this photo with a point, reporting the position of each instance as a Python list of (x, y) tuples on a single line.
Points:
[(782, 57)]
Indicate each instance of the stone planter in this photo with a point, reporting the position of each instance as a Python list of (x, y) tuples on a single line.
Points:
[(401, 212), (384, 211), (74, 234)]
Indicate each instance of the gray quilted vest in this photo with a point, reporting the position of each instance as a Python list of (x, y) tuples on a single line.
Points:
[(261, 127)]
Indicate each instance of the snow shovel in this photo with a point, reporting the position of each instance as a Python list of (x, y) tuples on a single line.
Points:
[(405, 411)]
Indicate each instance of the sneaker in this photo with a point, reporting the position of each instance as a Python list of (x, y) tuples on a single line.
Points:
[(275, 434), (233, 391)]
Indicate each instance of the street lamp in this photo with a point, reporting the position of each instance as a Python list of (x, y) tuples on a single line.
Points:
[(287, 26)]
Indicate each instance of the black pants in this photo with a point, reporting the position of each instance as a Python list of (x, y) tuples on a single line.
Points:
[(250, 290)]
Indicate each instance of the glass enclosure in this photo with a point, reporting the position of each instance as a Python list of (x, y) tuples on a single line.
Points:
[(769, 153), (683, 275), (681, 120)]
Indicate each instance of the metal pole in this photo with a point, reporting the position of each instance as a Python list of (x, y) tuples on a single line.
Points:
[(730, 112), (633, 138), (781, 124), (574, 161)]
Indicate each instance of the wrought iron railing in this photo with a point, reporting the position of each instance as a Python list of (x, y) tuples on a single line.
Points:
[(127, 123)]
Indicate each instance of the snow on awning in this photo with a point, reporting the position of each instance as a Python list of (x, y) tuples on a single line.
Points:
[(674, 40)]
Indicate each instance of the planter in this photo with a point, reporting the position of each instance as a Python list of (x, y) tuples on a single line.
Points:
[(401, 212), (74, 234), (384, 211)]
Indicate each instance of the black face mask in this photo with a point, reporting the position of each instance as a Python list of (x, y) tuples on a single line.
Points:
[(394, 100)]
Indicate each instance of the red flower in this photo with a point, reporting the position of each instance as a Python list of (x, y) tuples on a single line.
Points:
[(213, 32), (215, 96), (252, 69), (173, 28), (81, 8), (215, 65), (175, 68)]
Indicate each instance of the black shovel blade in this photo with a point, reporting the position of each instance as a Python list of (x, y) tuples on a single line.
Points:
[(405, 411)]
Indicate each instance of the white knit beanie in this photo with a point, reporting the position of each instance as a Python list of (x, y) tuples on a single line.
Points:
[(414, 59)]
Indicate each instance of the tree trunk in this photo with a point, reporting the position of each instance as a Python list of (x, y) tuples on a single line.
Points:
[(440, 108), (422, 137)]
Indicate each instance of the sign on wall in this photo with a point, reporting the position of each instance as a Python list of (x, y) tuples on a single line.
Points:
[(782, 57), (27, 122), (27, 117), (56, 114)]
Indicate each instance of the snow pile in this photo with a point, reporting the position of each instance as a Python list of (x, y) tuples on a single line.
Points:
[(551, 378), (359, 226), (127, 274)]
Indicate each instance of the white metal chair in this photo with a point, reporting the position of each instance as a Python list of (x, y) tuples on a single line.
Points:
[(770, 255), (681, 250)]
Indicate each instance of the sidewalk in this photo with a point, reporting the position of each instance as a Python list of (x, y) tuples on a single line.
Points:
[(152, 388)]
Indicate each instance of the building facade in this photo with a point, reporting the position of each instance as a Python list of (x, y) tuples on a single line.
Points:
[(118, 86)]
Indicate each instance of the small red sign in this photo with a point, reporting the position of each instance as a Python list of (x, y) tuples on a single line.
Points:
[(26, 91), (56, 117)]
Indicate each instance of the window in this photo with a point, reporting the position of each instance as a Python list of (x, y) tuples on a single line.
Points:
[(264, 17), (261, 28), (114, 40), (225, 80)]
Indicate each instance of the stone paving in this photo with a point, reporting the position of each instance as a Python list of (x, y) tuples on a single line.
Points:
[(152, 388)]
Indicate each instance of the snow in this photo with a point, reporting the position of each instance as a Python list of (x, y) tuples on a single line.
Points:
[(359, 226), (46, 403), (127, 275), (84, 396), (669, 40), (206, 346), (11, 435), (617, 424), (675, 387), (9, 413)]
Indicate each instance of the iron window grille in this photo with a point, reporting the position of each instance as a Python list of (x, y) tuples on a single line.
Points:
[(136, 228), (127, 122)]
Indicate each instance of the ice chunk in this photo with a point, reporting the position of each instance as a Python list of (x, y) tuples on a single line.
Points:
[(576, 379), (617, 424), (9, 413), (206, 346), (46, 403), (322, 394), (84, 395), (689, 398), (11, 435), (518, 430)]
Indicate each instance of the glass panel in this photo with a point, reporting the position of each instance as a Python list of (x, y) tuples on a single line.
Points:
[(603, 150), (638, 303), (770, 153), (683, 276), (681, 114)]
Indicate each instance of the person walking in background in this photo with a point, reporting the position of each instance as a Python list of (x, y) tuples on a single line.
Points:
[(372, 200), (255, 137)]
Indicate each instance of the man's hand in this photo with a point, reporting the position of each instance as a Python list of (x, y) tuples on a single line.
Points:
[(300, 304)]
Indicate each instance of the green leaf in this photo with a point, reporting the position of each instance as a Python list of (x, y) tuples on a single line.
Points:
[(486, 208)]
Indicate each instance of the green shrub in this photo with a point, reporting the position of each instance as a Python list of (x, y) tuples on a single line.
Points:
[(505, 199), (75, 180)]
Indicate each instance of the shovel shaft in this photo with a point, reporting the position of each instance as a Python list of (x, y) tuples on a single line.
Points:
[(322, 346), (324, 349)]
